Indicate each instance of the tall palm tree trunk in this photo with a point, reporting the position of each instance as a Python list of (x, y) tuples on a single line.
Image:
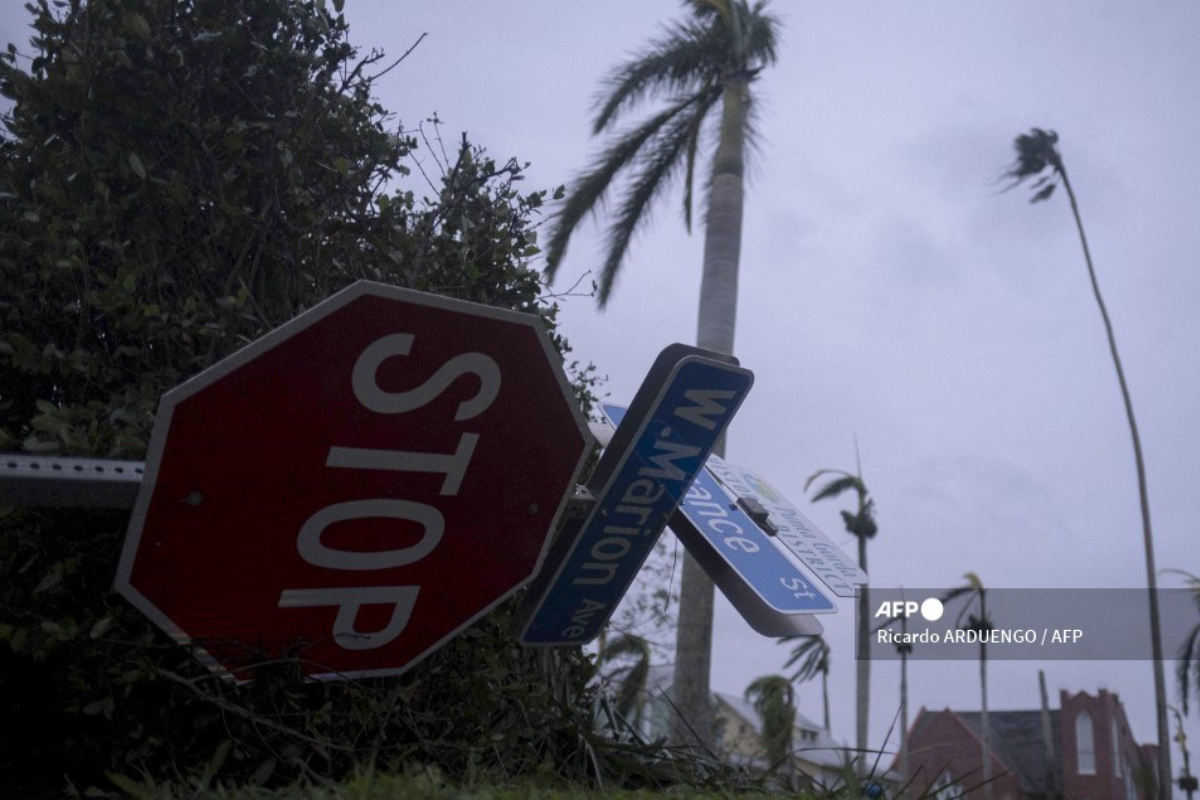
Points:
[(825, 698), (715, 327), (903, 717), (862, 665), (723, 228), (693, 653), (904, 649), (983, 720), (1160, 683)]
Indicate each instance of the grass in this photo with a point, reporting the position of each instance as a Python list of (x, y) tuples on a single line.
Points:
[(420, 786)]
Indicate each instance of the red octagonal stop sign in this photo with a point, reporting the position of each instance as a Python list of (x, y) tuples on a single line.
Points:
[(355, 487)]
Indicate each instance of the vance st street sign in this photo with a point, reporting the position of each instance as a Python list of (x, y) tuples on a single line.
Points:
[(792, 529)]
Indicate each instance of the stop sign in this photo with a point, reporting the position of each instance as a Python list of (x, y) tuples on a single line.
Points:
[(355, 487)]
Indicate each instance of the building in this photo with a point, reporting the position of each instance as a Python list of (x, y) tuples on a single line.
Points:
[(818, 760), (1081, 751)]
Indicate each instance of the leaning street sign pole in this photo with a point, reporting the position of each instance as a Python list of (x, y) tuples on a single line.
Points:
[(675, 421)]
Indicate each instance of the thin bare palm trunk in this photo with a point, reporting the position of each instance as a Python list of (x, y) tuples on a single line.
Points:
[(983, 719), (1160, 683), (825, 696), (718, 315), (862, 665), (903, 717)]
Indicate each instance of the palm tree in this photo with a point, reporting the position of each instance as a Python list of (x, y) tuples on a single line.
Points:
[(861, 524), (814, 656), (904, 648), (1187, 671), (981, 623), (774, 699), (1038, 156), (699, 65), (631, 691)]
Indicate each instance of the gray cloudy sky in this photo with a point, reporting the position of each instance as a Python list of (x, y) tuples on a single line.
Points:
[(891, 291)]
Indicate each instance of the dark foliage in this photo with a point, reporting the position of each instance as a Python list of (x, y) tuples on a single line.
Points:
[(1036, 152), (177, 178)]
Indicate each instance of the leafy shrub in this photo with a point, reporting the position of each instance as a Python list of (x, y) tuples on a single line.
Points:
[(177, 178)]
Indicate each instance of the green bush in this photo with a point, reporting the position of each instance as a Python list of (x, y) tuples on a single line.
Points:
[(178, 177)]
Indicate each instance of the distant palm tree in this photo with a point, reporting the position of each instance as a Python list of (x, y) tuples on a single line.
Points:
[(631, 690), (861, 524), (974, 617), (1187, 671), (904, 648), (703, 64), (814, 656), (1187, 781), (774, 699), (1038, 156)]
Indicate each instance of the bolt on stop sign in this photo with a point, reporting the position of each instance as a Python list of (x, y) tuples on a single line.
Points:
[(356, 487)]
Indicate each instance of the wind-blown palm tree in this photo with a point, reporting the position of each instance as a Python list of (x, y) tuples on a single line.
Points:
[(1187, 671), (974, 617), (814, 656), (1038, 157), (774, 699), (903, 648), (701, 67), (860, 523)]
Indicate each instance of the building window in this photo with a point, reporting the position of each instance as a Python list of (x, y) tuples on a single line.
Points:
[(1130, 789), (944, 788), (1116, 755), (1085, 744)]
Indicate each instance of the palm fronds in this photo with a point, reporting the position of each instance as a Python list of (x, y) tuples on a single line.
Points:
[(1036, 152), (689, 65), (1187, 671), (860, 523)]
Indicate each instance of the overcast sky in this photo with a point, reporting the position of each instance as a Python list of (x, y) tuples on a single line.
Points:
[(891, 291)]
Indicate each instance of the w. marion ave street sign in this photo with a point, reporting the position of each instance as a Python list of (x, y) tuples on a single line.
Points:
[(676, 419), (357, 486)]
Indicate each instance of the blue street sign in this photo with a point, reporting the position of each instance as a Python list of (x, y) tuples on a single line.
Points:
[(767, 588), (653, 459), (793, 530), (749, 552)]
